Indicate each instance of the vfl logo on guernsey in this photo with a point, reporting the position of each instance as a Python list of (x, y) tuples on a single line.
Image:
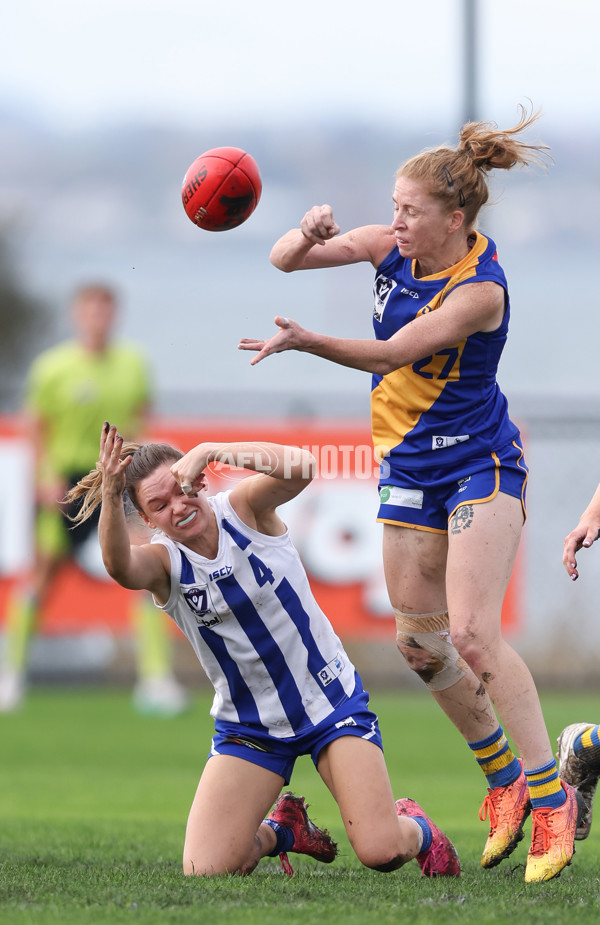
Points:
[(439, 443), (197, 598), (382, 288), (332, 670)]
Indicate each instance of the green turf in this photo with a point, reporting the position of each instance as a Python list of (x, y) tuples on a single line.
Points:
[(94, 800)]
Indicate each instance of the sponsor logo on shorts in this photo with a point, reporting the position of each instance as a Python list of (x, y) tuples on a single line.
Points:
[(439, 442), (463, 484), (401, 497), (349, 721)]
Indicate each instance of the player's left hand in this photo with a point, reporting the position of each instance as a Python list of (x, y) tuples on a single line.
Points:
[(290, 336), (189, 470), (113, 466)]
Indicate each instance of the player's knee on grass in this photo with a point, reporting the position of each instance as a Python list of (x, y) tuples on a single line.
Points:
[(381, 858), (387, 846), (200, 868), (212, 861), (386, 867)]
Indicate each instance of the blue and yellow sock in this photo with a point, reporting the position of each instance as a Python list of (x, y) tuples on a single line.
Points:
[(545, 788), (587, 745), (496, 759)]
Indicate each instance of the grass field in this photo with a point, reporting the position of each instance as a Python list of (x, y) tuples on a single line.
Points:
[(94, 800)]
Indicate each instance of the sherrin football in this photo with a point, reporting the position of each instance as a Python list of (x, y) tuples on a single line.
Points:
[(221, 189)]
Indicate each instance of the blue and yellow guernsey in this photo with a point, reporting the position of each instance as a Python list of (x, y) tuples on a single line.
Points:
[(447, 407)]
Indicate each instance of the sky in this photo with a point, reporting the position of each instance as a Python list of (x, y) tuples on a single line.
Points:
[(77, 64), (81, 65)]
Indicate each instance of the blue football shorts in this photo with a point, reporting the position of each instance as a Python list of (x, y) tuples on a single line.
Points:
[(352, 718), (426, 499)]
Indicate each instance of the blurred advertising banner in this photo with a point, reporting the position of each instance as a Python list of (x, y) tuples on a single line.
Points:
[(332, 524)]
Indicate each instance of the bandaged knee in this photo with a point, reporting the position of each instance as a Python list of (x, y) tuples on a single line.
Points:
[(424, 641)]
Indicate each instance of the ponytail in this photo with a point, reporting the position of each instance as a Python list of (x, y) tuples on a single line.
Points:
[(457, 177)]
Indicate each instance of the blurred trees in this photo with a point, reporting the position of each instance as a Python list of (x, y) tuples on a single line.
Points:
[(23, 319)]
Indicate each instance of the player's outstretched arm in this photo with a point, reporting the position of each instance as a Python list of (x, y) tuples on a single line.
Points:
[(470, 308), (585, 533)]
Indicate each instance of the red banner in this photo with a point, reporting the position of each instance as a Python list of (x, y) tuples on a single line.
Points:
[(332, 524)]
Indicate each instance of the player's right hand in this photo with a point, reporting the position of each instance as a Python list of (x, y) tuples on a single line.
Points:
[(319, 225)]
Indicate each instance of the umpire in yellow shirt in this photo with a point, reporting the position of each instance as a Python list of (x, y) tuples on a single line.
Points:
[(71, 389)]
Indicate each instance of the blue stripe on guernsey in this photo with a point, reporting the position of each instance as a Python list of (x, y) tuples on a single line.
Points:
[(240, 692), (290, 601), (270, 653), (239, 538), (187, 572), (231, 671), (334, 691), (272, 657)]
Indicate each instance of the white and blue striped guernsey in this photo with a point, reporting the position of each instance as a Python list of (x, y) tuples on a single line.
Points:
[(269, 650)]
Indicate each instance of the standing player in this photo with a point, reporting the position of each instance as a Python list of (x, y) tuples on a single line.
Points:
[(71, 389), (224, 568), (579, 743), (452, 487)]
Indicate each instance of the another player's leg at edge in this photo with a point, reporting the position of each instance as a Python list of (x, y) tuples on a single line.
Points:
[(513, 793), (579, 765)]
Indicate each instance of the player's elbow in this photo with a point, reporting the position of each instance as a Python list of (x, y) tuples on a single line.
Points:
[(279, 262), (385, 364), (388, 358), (116, 571)]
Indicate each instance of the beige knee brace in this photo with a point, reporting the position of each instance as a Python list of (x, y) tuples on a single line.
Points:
[(424, 640)]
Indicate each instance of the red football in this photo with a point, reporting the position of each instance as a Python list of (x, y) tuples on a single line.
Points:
[(221, 189)]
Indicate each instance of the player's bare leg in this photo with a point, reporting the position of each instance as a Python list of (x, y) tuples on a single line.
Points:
[(384, 835), (416, 564), (225, 831), (415, 569), (478, 573)]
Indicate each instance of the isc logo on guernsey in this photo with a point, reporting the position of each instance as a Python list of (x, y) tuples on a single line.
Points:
[(221, 572)]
